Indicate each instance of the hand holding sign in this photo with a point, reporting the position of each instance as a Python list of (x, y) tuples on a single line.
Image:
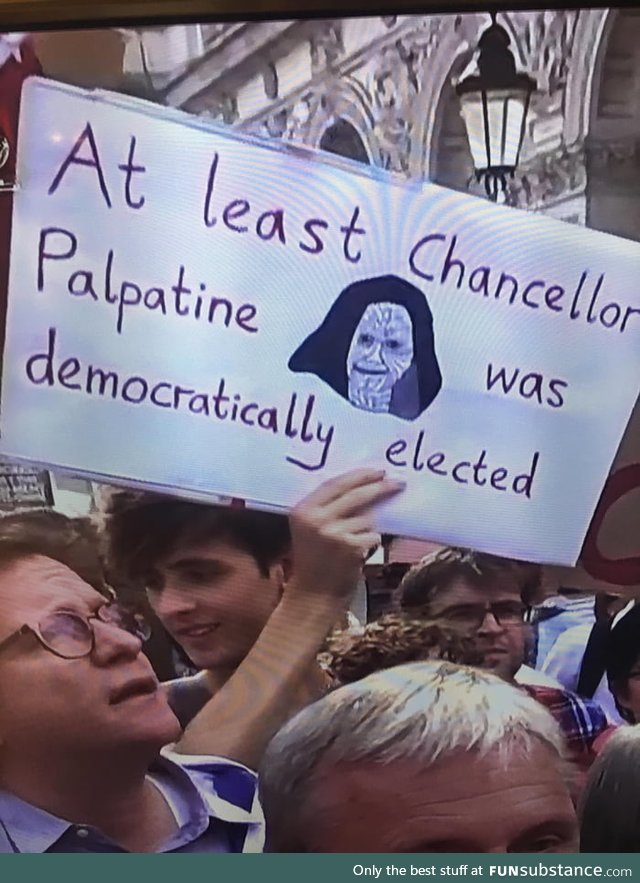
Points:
[(332, 531)]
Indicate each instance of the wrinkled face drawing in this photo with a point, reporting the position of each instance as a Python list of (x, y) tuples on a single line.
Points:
[(380, 353)]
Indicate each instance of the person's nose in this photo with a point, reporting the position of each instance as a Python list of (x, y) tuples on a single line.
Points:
[(111, 643), (489, 624), (171, 603)]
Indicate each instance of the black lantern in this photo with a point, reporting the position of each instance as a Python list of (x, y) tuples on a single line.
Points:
[(494, 105)]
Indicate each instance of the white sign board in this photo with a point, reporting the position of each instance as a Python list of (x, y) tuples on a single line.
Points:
[(192, 310)]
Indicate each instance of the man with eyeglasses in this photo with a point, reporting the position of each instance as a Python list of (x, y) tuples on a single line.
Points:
[(83, 722), (484, 597)]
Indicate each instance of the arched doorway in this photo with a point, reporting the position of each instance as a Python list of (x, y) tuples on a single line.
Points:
[(343, 139)]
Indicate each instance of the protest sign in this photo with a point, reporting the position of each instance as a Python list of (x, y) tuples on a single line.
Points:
[(198, 311), (23, 487), (610, 557)]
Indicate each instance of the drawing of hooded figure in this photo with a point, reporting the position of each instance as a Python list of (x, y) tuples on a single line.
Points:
[(376, 348)]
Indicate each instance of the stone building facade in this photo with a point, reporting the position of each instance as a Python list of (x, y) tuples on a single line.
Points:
[(380, 90)]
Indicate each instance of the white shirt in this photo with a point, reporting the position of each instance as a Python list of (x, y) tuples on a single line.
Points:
[(214, 802), (569, 612), (527, 675), (564, 662)]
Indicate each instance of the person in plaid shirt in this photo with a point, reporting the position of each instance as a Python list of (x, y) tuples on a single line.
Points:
[(480, 595), (582, 721)]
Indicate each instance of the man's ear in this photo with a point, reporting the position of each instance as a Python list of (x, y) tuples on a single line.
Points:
[(620, 691), (281, 572)]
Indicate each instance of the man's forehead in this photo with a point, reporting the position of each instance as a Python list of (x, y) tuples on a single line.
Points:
[(458, 777), (41, 583), (504, 587), (188, 553)]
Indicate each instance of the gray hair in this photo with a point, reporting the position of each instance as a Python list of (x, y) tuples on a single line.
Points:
[(424, 710), (610, 806)]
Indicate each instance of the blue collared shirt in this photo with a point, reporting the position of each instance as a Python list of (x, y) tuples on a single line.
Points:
[(214, 801)]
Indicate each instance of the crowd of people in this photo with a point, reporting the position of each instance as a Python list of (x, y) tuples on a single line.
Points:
[(475, 716)]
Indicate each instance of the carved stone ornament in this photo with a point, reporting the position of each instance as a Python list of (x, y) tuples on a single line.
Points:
[(327, 47), (394, 84), (223, 108), (546, 41), (299, 119), (291, 123), (548, 178)]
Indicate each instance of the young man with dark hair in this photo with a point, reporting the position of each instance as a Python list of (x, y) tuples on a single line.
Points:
[(141, 528), (83, 721), (484, 597), (212, 575)]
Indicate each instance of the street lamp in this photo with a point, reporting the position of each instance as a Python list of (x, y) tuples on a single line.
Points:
[(494, 105)]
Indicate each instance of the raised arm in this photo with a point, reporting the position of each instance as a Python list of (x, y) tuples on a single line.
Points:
[(332, 531)]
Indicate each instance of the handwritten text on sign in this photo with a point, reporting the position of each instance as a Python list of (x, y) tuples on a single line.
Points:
[(195, 311)]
